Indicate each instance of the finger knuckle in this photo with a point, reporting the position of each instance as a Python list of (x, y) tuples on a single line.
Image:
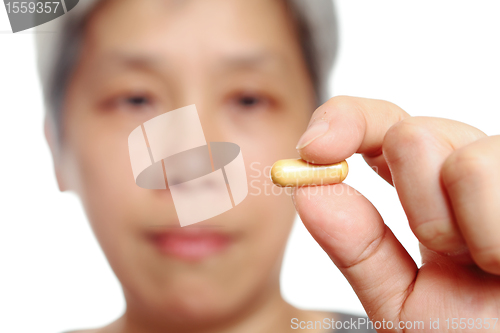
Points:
[(406, 138), (464, 165), (439, 234), (488, 259)]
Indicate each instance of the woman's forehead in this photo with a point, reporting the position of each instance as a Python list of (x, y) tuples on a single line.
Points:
[(125, 33), (202, 22)]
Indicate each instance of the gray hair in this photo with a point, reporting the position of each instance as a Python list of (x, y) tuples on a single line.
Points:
[(58, 51)]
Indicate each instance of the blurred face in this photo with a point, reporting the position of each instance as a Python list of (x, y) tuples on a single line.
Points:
[(240, 62)]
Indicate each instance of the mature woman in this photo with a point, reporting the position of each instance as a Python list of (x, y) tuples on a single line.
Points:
[(256, 70)]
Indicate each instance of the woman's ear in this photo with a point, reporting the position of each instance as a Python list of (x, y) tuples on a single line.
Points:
[(55, 149)]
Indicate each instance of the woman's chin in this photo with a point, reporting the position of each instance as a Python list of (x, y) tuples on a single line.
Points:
[(198, 307)]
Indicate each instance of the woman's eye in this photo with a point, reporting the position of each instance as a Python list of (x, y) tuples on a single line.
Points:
[(250, 102), (136, 101), (133, 103)]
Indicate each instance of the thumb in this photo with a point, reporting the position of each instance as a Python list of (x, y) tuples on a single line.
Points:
[(351, 231)]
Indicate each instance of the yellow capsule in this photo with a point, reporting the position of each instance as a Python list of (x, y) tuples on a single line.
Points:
[(297, 172)]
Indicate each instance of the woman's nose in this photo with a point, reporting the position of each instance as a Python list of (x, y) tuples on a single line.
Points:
[(188, 165)]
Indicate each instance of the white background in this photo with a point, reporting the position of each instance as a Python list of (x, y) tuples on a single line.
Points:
[(437, 58)]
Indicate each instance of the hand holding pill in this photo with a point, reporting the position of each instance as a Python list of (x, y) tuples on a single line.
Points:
[(447, 176)]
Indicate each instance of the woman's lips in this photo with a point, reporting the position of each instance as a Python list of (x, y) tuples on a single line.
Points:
[(190, 243)]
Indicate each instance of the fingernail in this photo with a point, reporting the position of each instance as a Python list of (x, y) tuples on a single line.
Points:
[(314, 131)]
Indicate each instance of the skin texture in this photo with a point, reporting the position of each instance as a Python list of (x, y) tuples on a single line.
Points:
[(446, 174), (241, 64)]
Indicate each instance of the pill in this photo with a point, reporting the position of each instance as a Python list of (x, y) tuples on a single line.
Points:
[(297, 172)]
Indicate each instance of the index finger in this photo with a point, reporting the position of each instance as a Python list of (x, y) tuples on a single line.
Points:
[(347, 125)]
